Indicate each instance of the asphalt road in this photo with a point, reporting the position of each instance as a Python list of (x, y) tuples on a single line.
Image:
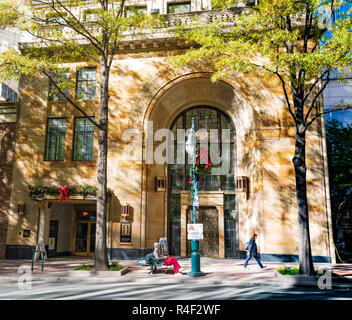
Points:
[(136, 291)]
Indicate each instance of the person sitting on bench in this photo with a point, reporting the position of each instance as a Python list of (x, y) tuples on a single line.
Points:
[(166, 260)]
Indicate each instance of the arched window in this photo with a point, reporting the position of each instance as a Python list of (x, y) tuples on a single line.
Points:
[(207, 118)]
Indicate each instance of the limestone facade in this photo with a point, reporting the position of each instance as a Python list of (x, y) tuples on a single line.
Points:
[(7, 143), (145, 88)]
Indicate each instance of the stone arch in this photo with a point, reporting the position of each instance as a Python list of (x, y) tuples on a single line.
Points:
[(244, 100), (258, 101)]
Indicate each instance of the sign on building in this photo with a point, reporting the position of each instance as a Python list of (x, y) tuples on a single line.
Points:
[(195, 231), (164, 246), (126, 232), (51, 244)]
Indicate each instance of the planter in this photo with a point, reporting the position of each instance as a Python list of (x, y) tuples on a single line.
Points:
[(87, 274), (297, 279)]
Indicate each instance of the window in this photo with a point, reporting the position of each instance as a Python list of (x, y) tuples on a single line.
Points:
[(137, 9), (207, 118), (8, 93), (86, 83), (182, 7), (344, 116), (83, 140), (61, 80), (56, 18), (91, 15), (55, 140)]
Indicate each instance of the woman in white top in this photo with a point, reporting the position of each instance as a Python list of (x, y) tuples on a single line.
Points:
[(166, 260)]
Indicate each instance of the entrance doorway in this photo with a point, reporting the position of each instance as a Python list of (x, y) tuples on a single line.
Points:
[(208, 216), (84, 232), (213, 121), (53, 233)]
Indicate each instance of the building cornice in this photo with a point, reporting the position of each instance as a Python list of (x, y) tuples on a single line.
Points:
[(164, 37)]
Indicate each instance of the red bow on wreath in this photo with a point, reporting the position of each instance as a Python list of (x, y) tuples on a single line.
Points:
[(204, 153), (64, 193)]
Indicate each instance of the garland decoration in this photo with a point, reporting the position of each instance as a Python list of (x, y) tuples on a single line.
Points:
[(63, 192), (200, 169), (200, 164)]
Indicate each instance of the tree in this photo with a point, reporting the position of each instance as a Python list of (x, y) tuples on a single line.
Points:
[(64, 31), (339, 145), (287, 40)]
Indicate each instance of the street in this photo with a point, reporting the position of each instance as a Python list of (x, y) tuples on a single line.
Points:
[(42, 290)]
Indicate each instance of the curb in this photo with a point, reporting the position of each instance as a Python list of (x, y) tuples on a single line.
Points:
[(91, 274), (310, 281), (153, 280)]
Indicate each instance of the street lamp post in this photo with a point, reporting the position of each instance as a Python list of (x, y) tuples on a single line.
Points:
[(191, 148)]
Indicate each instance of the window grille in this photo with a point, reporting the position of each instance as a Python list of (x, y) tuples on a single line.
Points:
[(83, 140), (55, 140), (86, 83), (61, 81)]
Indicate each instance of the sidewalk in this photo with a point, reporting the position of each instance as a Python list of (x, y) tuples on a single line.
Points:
[(217, 271)]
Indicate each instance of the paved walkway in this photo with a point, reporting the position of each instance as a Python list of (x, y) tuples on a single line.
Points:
[(226, 271)]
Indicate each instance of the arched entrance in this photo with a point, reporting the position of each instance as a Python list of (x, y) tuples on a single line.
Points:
[(217, 198)]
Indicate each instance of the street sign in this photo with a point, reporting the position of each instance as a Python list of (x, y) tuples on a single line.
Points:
[(195, 231), (126, 232)]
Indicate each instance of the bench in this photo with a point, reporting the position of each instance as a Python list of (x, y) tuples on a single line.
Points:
[(154, 265)]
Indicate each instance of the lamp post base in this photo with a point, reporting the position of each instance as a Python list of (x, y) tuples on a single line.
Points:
[(196, 274), (195, 261)]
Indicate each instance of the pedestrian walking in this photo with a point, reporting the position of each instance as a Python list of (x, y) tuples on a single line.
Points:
[(251, 248)]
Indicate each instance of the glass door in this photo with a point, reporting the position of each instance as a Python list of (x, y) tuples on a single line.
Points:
[(53, 235), (92, 238), (231, 221), (81, 237), (85, 229)]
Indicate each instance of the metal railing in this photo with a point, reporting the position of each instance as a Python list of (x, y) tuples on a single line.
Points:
[(171, 21)]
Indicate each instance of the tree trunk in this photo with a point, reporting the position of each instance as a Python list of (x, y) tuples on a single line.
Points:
[(299, 161), (101, 258)]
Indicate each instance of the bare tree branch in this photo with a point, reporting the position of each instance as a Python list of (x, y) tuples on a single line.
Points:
[(65, 45), (87, 36), (328, 70), (68, 98), (114, 45), (316, 97), (339, 107)]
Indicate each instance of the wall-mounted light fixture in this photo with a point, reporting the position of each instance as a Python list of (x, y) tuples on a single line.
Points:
[(126, 213), (242, 185), (160, 184)]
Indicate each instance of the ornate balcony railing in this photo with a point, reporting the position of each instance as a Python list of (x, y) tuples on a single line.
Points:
[(171, 21), (206, 17), (165, 31)]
